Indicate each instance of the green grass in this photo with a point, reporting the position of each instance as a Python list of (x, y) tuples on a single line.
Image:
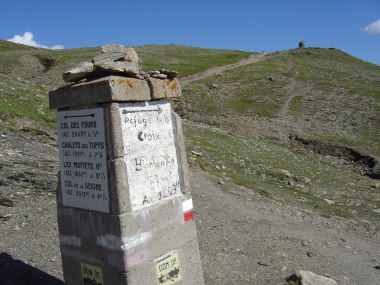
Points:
[(10, 46), (40, 87), (20, 102), (331, 87), (367, 140), (249, 106), (295, 105), (25, 97), (186, 60), (251, 162), (325, 88)]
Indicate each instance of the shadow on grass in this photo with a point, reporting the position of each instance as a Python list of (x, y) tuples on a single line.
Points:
[(16, 272)]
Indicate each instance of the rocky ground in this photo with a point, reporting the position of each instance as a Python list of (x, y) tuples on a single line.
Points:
[(244, 238), (247, 240), (28, 223)]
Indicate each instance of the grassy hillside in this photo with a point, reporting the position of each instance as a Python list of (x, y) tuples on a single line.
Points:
[(28, 73), (243, 121), (315, 93), (325, 185), (186, 60), (320, 96)]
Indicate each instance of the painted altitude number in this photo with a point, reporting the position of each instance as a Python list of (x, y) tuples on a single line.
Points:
[(168, 193), (84, 194)]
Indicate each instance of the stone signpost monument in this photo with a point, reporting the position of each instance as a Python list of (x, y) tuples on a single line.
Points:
[(125, 211)]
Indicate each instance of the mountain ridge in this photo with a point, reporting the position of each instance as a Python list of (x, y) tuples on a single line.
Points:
[(288, 102)]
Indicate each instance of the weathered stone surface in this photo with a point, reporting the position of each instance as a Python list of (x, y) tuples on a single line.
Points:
[(108, 57), (181, 154), (113, 59), (144, 74), (131, 56), (153, 72), (126, 67), (328, 201), (6, 202), (375, 173), (283, 172), (164, 88), (160, 76), (107, 89), (310, 278), (114, 48), (83, 70), (169, 73), (128, 243), (146, 233), (139, 76), (196, 153)]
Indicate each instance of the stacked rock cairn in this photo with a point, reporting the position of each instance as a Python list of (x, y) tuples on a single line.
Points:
[(114, 60)]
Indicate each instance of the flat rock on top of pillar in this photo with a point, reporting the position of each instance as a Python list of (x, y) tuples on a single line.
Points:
[(126, 67), (131, 55), (112, 53), (171, 74), (81, 71), (114, 47), (166, 88), (108, 57), (103, 90)]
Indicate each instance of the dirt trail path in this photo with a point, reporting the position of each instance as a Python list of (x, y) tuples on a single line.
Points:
[(219, 69), (292, 85)]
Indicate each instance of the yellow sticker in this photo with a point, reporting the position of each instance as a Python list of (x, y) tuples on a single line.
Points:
[(167, 269), (91, 275)]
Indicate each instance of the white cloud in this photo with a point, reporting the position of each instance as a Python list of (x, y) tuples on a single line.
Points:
[(373, 28), (57, 47), (28, 39)]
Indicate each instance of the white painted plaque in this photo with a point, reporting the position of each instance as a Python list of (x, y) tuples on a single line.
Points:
[(83, 164), (151, 156)]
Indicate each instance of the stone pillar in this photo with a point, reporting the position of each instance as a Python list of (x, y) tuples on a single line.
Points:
[(125, 211)]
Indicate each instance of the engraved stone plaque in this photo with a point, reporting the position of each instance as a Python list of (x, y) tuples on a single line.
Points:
[(150, 152), (83, 159)]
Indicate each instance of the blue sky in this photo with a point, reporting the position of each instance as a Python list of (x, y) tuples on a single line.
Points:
[(266, 25)]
